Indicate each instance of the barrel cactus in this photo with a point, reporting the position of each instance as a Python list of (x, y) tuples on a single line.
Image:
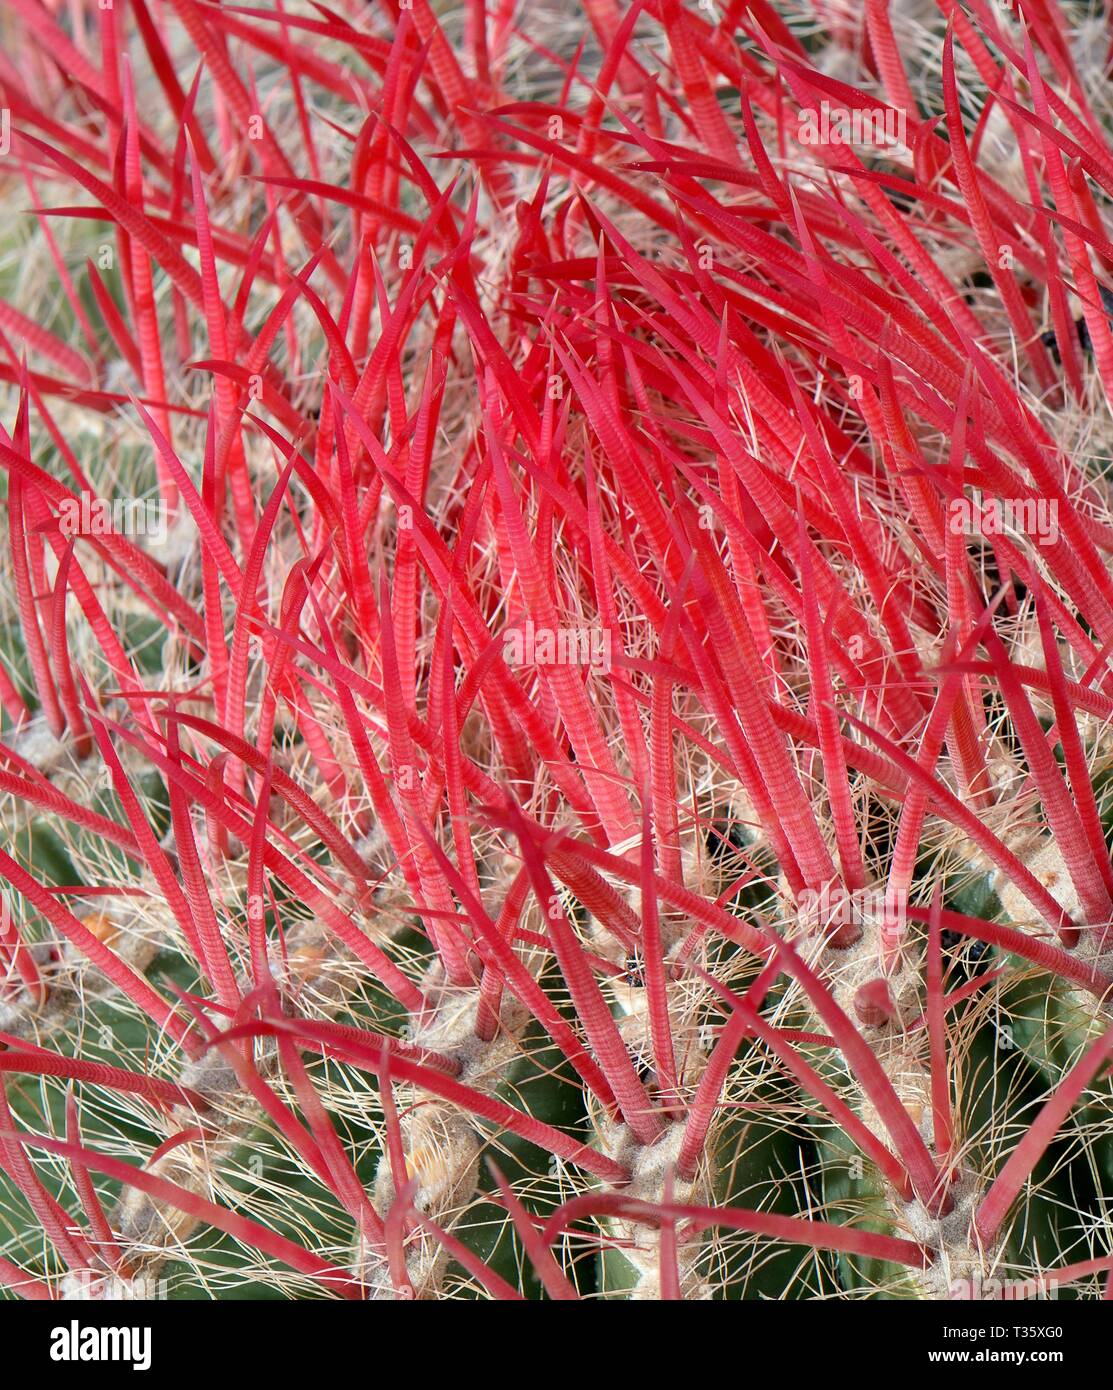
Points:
[(554, 617)]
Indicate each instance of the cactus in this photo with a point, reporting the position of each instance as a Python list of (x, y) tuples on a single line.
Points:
[(554, 613)]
